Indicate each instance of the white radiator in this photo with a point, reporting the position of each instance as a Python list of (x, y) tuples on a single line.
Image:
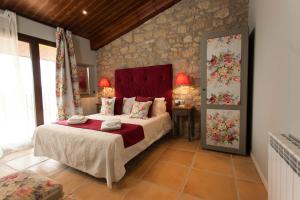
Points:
[(284, 167)]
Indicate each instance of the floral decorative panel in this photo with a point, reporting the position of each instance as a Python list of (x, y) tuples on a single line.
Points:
[(223, 128), (224, 70)]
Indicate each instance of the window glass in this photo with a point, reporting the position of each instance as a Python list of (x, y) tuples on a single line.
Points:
[(48, 69)]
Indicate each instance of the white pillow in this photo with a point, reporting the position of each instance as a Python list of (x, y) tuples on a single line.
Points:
[(140, 110), (127, 105), (159, 106), (107, 106)]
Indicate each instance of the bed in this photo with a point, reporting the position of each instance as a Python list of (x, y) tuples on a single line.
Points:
[(103, 154)]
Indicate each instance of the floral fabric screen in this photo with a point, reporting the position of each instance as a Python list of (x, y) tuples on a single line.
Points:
[(224, 70), (224, 88), (223, 128)]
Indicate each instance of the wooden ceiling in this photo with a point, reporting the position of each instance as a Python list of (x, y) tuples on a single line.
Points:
[(106, 20)]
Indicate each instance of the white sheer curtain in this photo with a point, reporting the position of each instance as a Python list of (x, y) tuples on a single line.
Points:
[(48, 76), (16, 124)]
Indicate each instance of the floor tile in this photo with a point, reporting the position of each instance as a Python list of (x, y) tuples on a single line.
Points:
[(250, 191), (184, 144), (245, 169), (157, 173), (164, 141), (140, 164), (218, 153), (69, 197), (24, 162), (210, 186), (126, 183), (241, 157), (213, 162), (94, 189), (70, 179), (148, 191), (5, 170), (178, 156), (167, 174), (48, 167), (156, 150), (15, 155), (184, 196)]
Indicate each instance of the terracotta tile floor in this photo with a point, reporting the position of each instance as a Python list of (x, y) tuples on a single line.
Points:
[(169, 169)]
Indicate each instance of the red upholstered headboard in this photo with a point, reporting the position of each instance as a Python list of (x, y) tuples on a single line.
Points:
[(152, 81)]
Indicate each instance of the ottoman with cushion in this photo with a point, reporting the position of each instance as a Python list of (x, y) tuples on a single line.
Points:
[(26, 185)]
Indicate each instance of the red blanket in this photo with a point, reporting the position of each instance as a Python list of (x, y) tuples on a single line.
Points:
[(130, 133)]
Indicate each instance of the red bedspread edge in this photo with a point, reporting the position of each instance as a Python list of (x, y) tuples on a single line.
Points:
[(131, 133)]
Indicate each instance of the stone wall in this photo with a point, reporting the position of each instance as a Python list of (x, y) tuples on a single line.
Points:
[(174, 37)]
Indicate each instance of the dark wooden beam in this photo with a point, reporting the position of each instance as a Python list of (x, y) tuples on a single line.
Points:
[(91, 7), (105, 21), (101, 15), (130, 21), (116, 16)]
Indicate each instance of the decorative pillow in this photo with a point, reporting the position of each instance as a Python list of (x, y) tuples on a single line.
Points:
[(159, 106), (145, 99), (140, 110), (118, 106), (107, 106), (127, 105)]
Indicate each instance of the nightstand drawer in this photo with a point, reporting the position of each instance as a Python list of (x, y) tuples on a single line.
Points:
[(180, 112)]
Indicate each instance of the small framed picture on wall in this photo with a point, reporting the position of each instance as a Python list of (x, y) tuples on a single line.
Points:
[(83, 78)]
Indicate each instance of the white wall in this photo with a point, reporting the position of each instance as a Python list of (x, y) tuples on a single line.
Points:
[(84, 54), (276, 72)]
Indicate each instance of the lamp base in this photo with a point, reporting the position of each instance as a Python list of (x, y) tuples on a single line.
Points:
[(179, 102)]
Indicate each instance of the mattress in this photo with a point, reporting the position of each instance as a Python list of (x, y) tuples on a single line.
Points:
[(97, 153)]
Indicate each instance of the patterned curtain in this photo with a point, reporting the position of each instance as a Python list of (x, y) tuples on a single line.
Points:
[(67, 85)]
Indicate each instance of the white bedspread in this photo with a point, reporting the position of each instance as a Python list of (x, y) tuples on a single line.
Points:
[(97, 153)]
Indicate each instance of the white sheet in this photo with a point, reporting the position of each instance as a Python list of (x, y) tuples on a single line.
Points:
[(97, 153)]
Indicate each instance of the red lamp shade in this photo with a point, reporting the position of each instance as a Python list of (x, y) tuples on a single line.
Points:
[(104, 82), (182, 79)]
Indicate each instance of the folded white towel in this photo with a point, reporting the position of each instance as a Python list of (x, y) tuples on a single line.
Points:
[(77, 119), (111, 124)]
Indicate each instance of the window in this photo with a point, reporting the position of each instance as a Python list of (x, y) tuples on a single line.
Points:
[(43, 65), (27, 82), (48, 66)]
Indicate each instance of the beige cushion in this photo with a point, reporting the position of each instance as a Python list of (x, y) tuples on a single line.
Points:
[(159, 107)]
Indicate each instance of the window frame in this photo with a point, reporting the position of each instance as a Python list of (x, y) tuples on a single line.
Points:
[(36, 70)]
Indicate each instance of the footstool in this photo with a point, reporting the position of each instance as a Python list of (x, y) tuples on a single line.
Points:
[(26, 185)]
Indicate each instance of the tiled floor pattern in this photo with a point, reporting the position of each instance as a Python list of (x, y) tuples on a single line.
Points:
[(170, 169)]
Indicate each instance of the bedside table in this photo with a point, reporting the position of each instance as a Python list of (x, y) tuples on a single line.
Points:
[(179, 112), (98, 105)]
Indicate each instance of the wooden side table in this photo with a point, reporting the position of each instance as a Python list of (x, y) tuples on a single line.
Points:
[(98, 107), (186, 111)]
